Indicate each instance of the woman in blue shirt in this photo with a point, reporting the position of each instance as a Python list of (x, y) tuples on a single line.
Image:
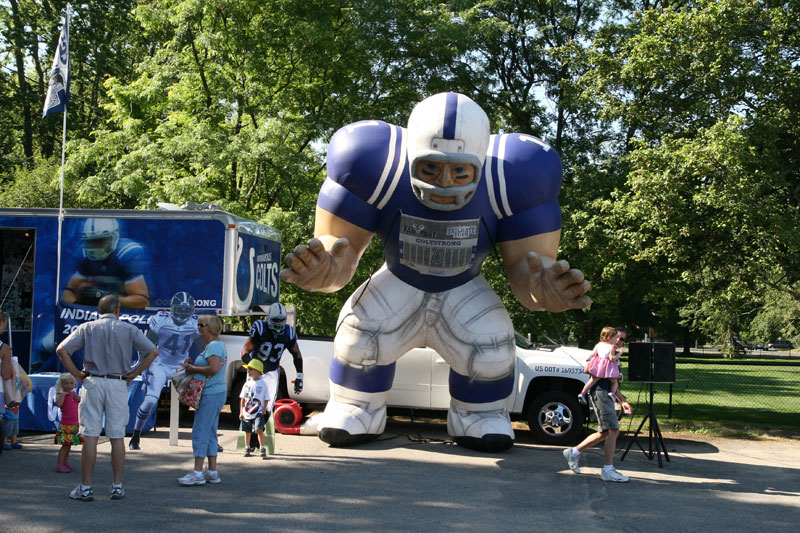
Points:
[(208, 366)]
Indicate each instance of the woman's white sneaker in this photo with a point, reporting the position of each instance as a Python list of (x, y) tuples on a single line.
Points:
[(192, 478), (212, 478)]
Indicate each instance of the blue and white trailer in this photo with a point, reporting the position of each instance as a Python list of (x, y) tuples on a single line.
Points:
[(48, 284)]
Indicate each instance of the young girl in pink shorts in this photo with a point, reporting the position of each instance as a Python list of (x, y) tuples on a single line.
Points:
[(604, 364), (67, 434)]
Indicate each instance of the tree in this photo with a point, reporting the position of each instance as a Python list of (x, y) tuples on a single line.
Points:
[(103, 43), (708, 96), (235, 102), (521, 62)]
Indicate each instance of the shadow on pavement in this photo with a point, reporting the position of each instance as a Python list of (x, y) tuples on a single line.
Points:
[(412, 478)]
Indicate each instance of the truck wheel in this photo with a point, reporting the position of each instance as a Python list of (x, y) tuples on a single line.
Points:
[(555, 417)]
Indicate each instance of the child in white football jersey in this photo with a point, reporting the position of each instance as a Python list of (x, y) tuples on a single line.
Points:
[(254, 401)]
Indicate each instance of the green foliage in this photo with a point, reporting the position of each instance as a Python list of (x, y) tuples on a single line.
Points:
[(702, 96), (677, 124), (35, 187), (778, 318)]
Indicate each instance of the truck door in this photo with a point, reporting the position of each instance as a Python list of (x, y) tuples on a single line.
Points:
[(412, 379), (440, 383)]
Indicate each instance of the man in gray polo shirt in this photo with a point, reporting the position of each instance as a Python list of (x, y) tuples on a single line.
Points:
[(108, 347)]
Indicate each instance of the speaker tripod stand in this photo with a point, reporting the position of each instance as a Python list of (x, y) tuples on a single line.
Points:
[(655, 442)]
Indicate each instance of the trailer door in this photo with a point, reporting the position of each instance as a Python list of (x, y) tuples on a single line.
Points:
[(17, 253)]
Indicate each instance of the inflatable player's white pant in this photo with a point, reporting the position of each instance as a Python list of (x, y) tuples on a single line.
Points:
[(385, 318)]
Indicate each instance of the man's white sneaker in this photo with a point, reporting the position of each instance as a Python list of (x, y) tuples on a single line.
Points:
[(84, 495), (574, 461), (192, 478), (613, 475), (117, 493)]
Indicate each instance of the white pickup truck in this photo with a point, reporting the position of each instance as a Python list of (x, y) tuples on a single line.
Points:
[(548, 381)]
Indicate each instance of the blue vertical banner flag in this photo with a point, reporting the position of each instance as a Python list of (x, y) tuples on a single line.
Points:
[(57, 98)]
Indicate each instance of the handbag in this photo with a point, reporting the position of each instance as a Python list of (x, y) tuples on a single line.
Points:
[(189, 389), (17, 387), (192, 393), (24, 382), (180, 381)]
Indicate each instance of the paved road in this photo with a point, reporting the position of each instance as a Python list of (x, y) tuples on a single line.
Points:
[(413, 479)]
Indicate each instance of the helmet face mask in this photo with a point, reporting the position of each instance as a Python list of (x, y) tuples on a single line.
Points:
[(100, 238), (181, 307), (447, 128), (276, 318)]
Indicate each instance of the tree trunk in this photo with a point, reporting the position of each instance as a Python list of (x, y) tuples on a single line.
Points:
[(27, 129)]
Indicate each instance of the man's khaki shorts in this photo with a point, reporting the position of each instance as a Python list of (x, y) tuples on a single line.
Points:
[(604, 409), (102, 396)]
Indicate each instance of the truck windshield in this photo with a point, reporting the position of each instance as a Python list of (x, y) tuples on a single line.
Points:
[(522, 342)]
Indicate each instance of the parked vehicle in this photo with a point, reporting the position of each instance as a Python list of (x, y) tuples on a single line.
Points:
[(548, 381), (743, 345), (780, 345)]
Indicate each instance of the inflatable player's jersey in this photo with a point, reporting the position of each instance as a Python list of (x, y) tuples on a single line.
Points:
[(368, 185)]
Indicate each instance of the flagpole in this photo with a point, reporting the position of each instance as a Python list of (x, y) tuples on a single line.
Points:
[(61, 204), (61, 181)]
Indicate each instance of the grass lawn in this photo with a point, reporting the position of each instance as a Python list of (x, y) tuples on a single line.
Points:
[(724, 396)]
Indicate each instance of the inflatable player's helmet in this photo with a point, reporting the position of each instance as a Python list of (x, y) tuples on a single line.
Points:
[(100, 238), (276, 318), (447, 128), (181, 307)]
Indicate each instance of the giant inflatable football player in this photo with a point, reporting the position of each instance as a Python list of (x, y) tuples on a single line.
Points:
[(173, 332), (439, 194)]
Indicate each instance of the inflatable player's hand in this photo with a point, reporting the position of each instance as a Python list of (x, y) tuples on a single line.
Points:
[(557, 287), (298, 383), (313, 268)]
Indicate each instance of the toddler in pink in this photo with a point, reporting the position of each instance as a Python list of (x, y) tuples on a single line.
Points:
[(603, 364), (67, 434)]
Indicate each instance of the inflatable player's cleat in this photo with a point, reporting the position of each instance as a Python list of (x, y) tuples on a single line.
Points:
[(345, 425), (487, 431)]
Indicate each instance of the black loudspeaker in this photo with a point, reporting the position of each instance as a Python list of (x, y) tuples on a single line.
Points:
[(651, 361), (639, 368)]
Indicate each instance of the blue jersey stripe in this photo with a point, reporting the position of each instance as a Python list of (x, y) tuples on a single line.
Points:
[(472, 390), (450, 116), (373, 379)]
